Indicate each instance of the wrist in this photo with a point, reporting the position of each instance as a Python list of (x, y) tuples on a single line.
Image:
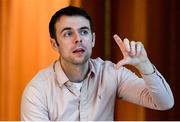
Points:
[(145, 68)]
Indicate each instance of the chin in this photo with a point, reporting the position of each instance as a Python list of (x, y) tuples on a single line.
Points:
[(80, 61)]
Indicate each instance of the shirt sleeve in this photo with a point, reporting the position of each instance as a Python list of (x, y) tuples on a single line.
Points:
[(150, 91), (32, 105)]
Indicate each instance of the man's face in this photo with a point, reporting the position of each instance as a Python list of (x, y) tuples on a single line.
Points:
[(75, 39)]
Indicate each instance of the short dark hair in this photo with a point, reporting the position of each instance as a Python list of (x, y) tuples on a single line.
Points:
[(69, 11)]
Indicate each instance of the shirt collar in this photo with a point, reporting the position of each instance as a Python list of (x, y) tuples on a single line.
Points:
[(92, 68), (61, 76)]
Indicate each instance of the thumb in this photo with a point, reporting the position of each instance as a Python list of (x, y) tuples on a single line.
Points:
[(121, 63)]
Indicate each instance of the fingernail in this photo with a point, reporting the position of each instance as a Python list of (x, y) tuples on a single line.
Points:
[(115, 36), (125, 39)]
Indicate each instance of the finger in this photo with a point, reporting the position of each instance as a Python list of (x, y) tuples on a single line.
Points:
[(117, 39), (121, 63), (143, 51), (126, 43), (138, 48), (119, 42), (133, 48)]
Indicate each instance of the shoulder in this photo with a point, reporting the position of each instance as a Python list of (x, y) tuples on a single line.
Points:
[(98, 62), (105, 67), (106, 64), (34, 97), (43, 75), (109, 67), (41, 80)]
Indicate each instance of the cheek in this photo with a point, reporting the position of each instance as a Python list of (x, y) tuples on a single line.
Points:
[(63, 49), (88, 41)]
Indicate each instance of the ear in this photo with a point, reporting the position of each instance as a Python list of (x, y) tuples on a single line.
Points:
[(54, 44), (93, 39)]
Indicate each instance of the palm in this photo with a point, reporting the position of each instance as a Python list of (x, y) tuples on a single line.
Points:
[(133, 52)]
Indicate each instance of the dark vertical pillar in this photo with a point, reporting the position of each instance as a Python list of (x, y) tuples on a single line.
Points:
[(96, 9), (121, 24)]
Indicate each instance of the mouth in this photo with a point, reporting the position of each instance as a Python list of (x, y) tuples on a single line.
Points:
[(78, 50)]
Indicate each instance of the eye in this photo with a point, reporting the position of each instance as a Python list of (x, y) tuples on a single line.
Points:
[(67, 34), (84, 32)]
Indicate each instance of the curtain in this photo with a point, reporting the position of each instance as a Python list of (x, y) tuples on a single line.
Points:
[(156, 24), (129, 21), (24, 48)]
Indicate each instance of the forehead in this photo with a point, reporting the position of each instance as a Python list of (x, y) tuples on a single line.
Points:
[(72, 22)]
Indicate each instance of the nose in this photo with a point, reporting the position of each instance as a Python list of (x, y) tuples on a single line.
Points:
[(77, 38)]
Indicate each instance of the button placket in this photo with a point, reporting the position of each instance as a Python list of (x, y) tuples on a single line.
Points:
[(83, 101)]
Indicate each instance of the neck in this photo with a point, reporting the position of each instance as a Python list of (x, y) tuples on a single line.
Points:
[(75, 73)]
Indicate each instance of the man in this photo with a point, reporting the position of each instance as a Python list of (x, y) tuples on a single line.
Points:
[(76, 87)]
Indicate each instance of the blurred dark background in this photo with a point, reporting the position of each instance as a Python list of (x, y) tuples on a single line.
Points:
[(156, 24)]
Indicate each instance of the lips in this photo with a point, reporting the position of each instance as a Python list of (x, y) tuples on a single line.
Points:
[(78, 50)]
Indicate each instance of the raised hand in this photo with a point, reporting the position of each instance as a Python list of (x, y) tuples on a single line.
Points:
[(133, 54)]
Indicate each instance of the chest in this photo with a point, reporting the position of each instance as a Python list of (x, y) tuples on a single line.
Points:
[(94, 100)]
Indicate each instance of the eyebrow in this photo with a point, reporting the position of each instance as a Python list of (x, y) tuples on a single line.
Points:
[(85, 27), (68, 28)]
